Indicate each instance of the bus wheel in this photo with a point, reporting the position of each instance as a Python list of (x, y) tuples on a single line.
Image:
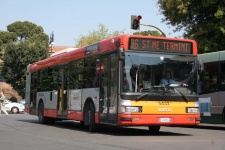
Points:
[(154, 129), (91, 117), (41, 118)]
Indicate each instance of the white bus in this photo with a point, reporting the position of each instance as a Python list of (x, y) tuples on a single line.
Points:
[(213, 85)]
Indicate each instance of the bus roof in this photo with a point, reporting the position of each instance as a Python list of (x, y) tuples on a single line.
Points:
[(112, 43), (212, 57)]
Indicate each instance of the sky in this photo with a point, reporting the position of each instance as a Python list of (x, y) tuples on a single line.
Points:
[(71, 19)]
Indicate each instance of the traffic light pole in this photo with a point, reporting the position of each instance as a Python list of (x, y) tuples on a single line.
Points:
[(154, 27)]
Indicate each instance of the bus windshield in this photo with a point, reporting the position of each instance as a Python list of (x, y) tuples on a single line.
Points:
[(144, 72)]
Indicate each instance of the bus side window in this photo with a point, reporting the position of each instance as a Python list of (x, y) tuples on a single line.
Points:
[(222, 77), (222, 84), (214, 83)]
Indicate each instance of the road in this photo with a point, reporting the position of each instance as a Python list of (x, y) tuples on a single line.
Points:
[(23, 132)]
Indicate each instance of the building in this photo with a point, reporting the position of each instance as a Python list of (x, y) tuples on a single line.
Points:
[(54, 49)]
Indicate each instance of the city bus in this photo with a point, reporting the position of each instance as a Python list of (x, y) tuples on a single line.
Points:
[(116, 82), (213, 85)]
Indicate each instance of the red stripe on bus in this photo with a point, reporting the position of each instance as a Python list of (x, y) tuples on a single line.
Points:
[(50, 113), (75, 115)]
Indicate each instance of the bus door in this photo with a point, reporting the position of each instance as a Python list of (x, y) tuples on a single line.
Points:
[(108, 89), (62, 91)]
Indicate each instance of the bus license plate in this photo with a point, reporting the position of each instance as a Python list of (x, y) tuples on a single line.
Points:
[(164, 119)]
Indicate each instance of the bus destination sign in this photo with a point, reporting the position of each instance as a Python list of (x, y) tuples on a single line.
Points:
[(160, 45)]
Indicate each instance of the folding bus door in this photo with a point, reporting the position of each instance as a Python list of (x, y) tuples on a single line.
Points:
[(108, 89), (62, 91)]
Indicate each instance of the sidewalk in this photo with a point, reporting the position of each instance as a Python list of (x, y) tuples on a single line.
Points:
[(212, 125)]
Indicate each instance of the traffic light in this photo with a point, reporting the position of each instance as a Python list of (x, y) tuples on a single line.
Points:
[(135, 22)]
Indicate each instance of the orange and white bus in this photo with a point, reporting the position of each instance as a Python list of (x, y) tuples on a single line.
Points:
[(117, 82)]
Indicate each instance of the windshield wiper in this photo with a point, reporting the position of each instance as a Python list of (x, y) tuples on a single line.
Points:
[(141, 96), (182, 95), (146, 94)]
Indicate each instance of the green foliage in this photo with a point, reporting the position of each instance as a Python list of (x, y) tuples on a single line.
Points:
[(202, 21), (24, 30), (96, 36), (6, 37), (149, 33), (24, 43)]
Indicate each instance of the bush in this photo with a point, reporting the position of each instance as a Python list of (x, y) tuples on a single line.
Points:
[(13, 99)]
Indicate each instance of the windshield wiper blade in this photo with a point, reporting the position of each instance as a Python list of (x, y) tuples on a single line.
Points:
[(141, 96), (152, 92), (182, 95)]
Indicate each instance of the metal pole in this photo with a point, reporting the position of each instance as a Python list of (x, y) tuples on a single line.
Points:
[(51, 41), (154, 27)]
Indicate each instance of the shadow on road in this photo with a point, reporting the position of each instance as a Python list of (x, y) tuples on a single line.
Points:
[(208, 127), (109, 130)]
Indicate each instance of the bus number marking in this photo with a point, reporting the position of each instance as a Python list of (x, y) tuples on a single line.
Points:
[(134, 44), (164, 103)]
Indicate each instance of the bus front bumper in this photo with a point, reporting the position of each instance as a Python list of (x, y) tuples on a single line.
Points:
[(168, 120)]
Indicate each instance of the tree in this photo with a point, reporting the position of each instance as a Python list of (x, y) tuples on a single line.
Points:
[(30, 45), (24, 30), (6, 37), (202, 21), (148, 33), (96, 36)]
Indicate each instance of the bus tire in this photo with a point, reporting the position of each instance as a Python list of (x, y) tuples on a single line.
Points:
[(154, 129), (91, 113), (41, 118)]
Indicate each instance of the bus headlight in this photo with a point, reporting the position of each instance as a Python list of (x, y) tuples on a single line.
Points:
[(192, 110), (131, 109)]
